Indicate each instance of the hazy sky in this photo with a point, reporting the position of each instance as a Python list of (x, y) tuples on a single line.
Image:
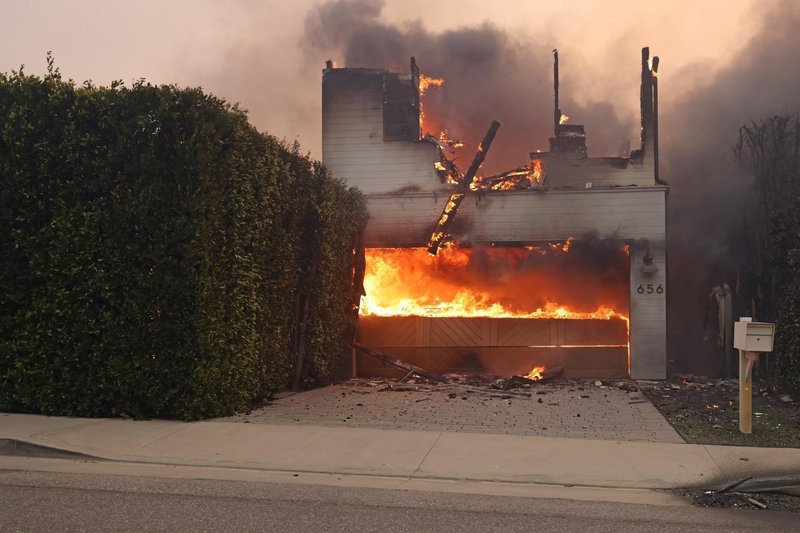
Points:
[(251, 51)]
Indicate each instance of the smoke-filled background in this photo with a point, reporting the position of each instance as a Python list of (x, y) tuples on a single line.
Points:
[(489, 74), (723, 63)]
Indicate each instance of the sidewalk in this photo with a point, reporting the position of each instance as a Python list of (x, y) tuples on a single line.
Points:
[(402, 453)]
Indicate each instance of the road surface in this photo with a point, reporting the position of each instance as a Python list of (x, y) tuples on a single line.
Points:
[(59, 501)]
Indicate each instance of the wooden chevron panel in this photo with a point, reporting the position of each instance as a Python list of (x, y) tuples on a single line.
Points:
[(442, 332), (525, 332), (593, 332), (459, 332), (389, 331)]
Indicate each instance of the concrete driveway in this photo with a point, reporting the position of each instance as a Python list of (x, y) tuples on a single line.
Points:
[(569, 409)]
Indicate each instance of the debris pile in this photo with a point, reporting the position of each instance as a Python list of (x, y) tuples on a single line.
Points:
[(538, 375)]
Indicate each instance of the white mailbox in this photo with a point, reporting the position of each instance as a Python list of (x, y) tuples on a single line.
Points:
[(753, 336)]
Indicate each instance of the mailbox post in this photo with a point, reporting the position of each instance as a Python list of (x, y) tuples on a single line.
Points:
[(751, 339)]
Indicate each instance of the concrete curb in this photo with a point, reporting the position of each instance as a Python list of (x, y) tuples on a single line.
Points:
[(23, 448)]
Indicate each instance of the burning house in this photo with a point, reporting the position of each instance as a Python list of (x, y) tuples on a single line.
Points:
[(558, 262)]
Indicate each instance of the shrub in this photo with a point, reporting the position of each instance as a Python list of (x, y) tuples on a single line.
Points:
[(155, 247)]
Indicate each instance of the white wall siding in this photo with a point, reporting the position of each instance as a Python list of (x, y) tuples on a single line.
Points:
[(569, 170), (629, 213), (353, 147)]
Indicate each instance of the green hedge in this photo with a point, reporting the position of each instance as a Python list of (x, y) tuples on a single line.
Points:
[(156, 251), (787, 341), (769, 153), (784, 261)]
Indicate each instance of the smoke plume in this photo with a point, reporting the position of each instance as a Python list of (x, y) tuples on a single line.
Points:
[(489, 75), (705, 205)]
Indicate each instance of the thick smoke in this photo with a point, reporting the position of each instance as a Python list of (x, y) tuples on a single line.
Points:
[(489, 75), (705, 206)]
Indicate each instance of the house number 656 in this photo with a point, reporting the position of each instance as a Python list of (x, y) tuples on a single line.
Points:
[(649, 289)]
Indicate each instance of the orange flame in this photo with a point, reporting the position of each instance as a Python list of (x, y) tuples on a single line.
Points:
[(445, 140), (564, 119), (425, 82), (536, 176), (536, 373), (410, 282)]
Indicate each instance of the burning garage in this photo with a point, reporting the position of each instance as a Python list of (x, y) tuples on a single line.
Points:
[(557, 262)]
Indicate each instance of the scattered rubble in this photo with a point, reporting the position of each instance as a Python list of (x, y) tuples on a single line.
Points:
[(457, 388), (734, 500), (402, 365)]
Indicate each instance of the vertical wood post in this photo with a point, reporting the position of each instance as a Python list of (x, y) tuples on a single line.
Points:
[(745, 394)]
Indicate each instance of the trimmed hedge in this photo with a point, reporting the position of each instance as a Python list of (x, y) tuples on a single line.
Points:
[(156, 253)]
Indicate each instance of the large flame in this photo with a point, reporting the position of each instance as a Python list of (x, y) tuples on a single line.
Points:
[(425, 82), (536, 175), (493, 282), (526, 177)]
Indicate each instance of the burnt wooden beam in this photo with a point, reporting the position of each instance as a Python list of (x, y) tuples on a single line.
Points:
[(389, 360), (545, 375), (450, 208), (551, 373), (513, 177)]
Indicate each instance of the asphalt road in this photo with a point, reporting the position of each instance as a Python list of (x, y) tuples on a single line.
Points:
[(45, 501)]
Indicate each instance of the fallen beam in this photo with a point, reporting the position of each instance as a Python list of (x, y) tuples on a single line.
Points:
[(510, 179), (551, 373), (545, 375), (449, 212), (389, 360), (512, 383)]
